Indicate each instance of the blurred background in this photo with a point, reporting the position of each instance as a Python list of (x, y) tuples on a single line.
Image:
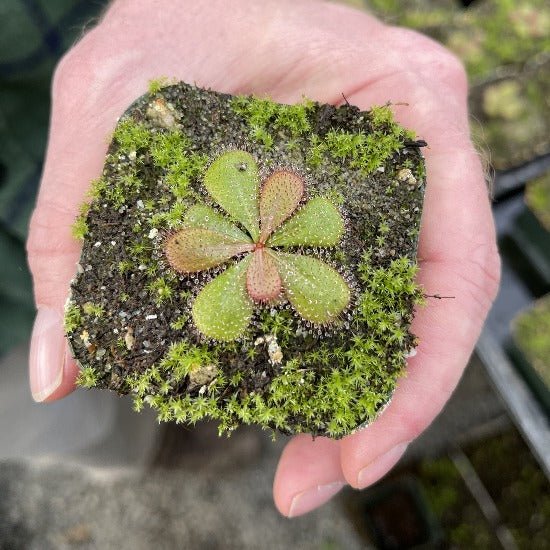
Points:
[(88, 473)]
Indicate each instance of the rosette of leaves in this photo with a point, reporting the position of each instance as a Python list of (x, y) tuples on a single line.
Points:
[(265, 222)]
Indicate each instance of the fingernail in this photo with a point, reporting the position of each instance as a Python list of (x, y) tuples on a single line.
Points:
[(312, 498), (381, 465), (47, 355)]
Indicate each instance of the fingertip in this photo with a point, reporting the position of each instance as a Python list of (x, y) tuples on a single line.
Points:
[(308, 475), (68, 381), (52, 371)]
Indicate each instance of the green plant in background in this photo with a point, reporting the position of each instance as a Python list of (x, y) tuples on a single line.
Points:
[(272, 221), (531, 332), (505, 47), (537, 196)]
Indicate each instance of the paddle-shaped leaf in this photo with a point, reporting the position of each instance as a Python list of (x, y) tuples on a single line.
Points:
[(315, 290), (233, 182), (223, 308), (281, 194), (203, 217), (190, 250), (318, 223), (262, 280)]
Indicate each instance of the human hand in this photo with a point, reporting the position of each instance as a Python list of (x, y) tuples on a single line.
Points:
[(284, 49)]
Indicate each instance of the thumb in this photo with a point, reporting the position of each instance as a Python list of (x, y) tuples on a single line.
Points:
[(76, 148)]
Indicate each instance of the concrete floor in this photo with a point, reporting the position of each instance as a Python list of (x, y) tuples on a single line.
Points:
[(88, 473)]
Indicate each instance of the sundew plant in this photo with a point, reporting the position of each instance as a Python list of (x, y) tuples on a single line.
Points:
[(271, 221), (250, 262)]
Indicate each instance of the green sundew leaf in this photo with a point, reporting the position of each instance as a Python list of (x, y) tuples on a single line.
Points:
[(281, 194), (201, 216), (223, 308), (233, 182), (318, 223), (195, 249), (316, 290)]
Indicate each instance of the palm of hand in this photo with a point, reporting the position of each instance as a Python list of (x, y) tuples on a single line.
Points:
[(286, 51)]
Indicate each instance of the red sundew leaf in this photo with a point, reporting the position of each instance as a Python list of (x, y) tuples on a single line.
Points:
[(194, 249), (262, 280), (281, 194)]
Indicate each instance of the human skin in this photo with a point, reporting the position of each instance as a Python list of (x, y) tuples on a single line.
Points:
[(284, 49)]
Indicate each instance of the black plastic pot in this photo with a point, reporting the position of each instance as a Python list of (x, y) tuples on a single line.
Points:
[(540, 388), (532, 241)]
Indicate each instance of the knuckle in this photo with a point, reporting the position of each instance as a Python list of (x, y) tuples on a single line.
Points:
[(434, 61), (446, 67), (452, 66), (67, 65), (75, 66), (69, 70)]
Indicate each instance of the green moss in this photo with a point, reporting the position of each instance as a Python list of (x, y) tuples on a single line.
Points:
[(365, 151), (161, 290), (384, 303), (171, 151), (537, 196), (183, 171), (169, 148), (278, 323), (124, 266), (182, 357), (80, 227), (156, 84), (180, 322), (171, 219), (261, 135), (265, 116), (97, 190), (93, 310), (87, 377), (139, 251), (531, 330), (73, 318), (131, 135)]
